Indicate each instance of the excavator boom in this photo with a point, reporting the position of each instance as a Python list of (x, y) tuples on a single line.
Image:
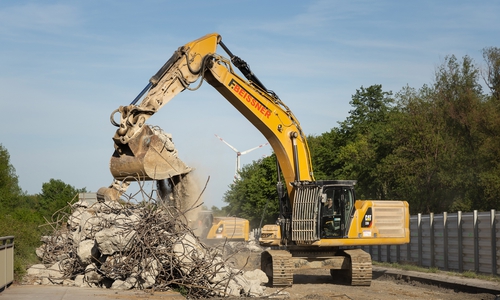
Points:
[(195, 61)]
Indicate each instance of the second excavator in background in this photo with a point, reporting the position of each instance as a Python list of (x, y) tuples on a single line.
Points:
[(215, 229)]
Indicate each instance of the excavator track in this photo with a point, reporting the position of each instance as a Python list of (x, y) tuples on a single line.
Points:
[(278, 266), (361, 267)]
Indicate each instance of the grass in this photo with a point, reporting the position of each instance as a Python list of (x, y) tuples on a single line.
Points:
[(465, 274)]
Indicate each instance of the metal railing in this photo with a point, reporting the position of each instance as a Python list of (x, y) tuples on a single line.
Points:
[(451, 242), (6, 262)]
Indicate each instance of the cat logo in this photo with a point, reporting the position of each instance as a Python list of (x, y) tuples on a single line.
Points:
[(367, 219)]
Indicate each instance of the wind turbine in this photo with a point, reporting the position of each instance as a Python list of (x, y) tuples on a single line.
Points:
[(238, 155)]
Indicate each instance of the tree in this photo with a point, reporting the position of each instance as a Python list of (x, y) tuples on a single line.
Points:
[(255, 195), (217, 212), (490, 129), (19, 217), (459, 94), (9, 185), (437, 161), (56, 195), (491, 75), (419, 152), (371, 107), (363, 141)]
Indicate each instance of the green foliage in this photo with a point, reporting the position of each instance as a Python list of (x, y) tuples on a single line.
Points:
[(419, 151), (9, 186), (25, 217), (355, 149), (23, 224), (371, 107), (21, 214), (459, 114), (17, 216), (491, 75), (325, 155), (254, 197), (56, 195), (218, 212)]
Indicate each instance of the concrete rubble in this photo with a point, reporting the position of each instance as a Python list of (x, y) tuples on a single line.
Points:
[(115, 245)]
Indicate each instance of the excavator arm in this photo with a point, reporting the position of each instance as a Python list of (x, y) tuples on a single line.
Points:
[(188, 67), (185, 67)]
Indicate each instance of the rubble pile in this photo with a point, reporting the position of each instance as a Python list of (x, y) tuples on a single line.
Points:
[(111, 244)]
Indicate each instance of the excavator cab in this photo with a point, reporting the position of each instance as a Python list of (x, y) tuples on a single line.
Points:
[(336, 205)]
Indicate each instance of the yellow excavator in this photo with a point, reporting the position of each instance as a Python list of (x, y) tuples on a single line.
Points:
[(321, 224), (215, 229)]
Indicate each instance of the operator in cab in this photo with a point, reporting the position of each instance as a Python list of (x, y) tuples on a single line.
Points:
[(329, 229), (328, 208)]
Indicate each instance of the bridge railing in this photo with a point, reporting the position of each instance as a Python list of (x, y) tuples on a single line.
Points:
[(6, 262)]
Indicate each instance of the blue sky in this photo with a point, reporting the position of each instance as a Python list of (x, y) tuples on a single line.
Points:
[(66, 65)]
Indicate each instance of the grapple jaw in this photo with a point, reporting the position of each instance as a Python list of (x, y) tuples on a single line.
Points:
[(150, 155)]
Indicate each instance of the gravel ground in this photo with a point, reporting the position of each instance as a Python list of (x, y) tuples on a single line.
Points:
[(318, 284)]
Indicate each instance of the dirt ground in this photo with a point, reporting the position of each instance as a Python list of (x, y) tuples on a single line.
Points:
[(318, 284)]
